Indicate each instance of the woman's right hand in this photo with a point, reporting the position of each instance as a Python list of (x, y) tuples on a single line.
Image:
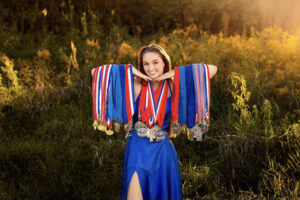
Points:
[(139, 74), (92, 71)]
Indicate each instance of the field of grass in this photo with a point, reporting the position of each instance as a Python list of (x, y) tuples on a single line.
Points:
[(49, 150)]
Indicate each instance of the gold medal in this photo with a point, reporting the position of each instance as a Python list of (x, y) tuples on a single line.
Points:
[(190, 134), (109, 132), (99, 126), (95, 124), (117, 126)]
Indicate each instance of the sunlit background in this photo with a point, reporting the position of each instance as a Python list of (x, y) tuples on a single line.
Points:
[(48, 148)]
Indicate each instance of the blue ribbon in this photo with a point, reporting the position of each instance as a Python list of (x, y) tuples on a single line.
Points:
[(182, 107), (122, 81), (191, 113), (109, 107), (114, 106)]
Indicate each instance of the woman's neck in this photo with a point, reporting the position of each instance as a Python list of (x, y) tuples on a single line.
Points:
[(155, 84)]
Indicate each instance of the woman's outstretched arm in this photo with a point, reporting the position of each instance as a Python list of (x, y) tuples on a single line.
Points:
[(135, 72), (212, 71)]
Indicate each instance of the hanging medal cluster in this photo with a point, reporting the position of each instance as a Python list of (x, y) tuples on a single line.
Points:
[(113, 98), (190, 101)]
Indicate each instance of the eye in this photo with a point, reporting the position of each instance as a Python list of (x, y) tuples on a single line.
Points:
[(155, 62)]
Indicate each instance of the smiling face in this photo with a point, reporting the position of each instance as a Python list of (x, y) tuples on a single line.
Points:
[(153, 61), (153, 64)]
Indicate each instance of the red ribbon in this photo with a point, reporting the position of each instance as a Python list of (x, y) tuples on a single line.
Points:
[(145, 112), (94, 92), (175, 94), (128, 94)]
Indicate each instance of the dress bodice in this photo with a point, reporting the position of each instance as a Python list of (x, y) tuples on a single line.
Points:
[(168, 114)]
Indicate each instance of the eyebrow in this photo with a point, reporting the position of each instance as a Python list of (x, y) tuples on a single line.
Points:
[(152, 61)]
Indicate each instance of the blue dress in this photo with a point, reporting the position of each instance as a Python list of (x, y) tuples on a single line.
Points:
[(156, 164)]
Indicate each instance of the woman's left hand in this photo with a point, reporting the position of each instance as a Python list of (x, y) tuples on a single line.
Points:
[(164, 76)]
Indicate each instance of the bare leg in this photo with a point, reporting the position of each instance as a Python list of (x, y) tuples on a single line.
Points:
[(134, 190)]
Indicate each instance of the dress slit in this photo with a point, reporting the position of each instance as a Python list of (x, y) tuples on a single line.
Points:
[(131, 176)]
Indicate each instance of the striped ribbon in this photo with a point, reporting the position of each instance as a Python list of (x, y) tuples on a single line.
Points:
[(202, 91), (105, 91)]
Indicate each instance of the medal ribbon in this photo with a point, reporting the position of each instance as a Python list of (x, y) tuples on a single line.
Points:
[(106, 117), (157, 110), (190, 92), (129, 90), (100, 83), (175, 95), (206, 92), (95, 92), (103, 94), (117, 97), (182, 114), (202, 91), (144, 109)]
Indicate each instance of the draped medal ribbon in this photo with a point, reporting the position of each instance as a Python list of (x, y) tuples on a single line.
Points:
[(158, 110), (175, 95), (191, 95), (151, 112), (95, 92), (182, 109), (202, 91), (106, 121), (113, 94), (129, 90)]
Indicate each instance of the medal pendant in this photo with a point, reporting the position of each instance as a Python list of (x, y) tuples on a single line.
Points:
[(99, 127), (159, 135), (190, 134), (141, 129), (128, 126), (109, 132), (95, 124), (117, 126), (203, 127), (175, 128), (153, 131)]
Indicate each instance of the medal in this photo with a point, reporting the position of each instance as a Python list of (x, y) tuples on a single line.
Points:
[(109, 132), (141, 129), (95, 124), (117, 126), (176, 129), (156, 134), (197, 132)]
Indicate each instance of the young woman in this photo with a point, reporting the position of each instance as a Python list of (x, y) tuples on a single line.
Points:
[(151, 169)]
